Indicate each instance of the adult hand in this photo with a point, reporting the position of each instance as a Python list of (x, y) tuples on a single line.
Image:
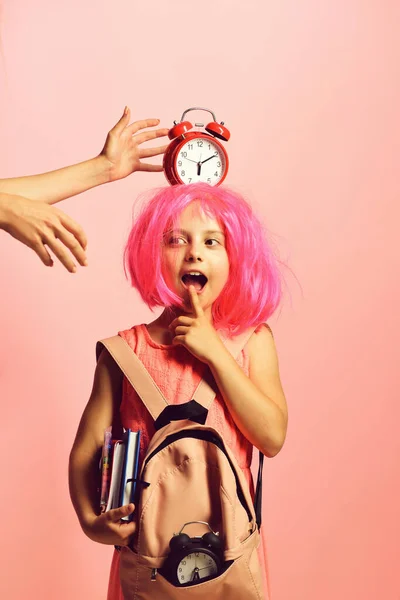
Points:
[(122, 148), (108, 528), (37, 225), (196, 333)]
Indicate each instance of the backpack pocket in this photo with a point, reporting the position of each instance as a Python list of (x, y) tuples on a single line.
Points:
[(242, 579)]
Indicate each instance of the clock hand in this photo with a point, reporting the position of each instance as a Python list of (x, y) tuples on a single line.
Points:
[(199, 165), (209, 158), (191, 160)]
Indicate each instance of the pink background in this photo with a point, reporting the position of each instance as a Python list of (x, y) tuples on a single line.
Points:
[(311, 95)]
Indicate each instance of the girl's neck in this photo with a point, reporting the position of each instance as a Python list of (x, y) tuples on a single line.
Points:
[(159, 328)]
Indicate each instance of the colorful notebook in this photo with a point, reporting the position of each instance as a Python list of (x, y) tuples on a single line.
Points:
[(120, 464)]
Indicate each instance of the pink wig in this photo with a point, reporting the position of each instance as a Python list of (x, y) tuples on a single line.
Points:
[(253, 290)]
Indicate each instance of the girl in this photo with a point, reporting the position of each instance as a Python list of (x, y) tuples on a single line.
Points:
[(199, 252)]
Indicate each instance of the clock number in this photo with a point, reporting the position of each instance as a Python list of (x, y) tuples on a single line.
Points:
[(209, 180), (200, 143), (189, 557), (197, 554), (216, 153), (179, 163), (180, 570), (190, 179), (182, 577), (218, 164), (184, 154), (190, 146), (182, 173), (216, 174), (184, 562), (209, 146)]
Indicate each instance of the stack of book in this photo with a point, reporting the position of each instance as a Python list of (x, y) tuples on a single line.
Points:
[(119, 470)]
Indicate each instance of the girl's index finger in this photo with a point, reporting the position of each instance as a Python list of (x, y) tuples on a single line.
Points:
[(195, 302)]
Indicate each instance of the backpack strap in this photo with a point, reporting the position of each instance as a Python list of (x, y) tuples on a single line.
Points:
[(135, 372)]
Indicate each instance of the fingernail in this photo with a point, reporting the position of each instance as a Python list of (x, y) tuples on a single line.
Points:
[(125, 110), (85, 263)]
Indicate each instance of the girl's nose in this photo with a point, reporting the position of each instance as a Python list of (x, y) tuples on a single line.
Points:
[(193, 254)]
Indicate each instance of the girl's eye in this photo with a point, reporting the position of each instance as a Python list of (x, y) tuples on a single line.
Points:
[(176, 241), (212, 240)]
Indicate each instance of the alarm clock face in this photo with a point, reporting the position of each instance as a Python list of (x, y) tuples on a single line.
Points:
[(200, 159), (195, 567)]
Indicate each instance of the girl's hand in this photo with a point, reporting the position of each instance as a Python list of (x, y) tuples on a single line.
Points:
[(37, 225), (196, 333), (108, 528), (122, 147)]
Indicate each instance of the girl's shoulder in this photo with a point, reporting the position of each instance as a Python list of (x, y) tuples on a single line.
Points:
[(131, 335), (128, 333), (261, 344), (264, 329)]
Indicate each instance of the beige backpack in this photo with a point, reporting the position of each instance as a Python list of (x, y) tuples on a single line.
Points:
[(197, 528)]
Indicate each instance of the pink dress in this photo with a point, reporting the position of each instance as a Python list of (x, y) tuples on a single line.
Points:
[(177, 373)]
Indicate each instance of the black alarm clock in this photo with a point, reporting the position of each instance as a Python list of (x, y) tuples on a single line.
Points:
[(193, 559)]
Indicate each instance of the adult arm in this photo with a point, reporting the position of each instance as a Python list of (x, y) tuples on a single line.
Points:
[(40, 226), (24, 201), (121, 155)]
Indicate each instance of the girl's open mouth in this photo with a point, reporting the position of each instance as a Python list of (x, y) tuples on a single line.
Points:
[(198, 280)]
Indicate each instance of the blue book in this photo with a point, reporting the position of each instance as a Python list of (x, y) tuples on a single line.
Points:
[(130, 468)]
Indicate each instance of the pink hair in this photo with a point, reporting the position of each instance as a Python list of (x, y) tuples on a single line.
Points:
[(253, 290)]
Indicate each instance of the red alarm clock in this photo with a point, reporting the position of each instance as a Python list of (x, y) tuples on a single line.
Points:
[(194, 156)]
